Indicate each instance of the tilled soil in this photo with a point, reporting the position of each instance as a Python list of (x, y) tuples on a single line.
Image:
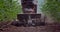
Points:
[(47, 28), (23, 29)]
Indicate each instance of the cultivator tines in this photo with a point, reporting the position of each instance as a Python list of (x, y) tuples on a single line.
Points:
[(29, 16)]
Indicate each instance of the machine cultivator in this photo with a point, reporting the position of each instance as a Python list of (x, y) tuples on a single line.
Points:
[(29, 16)]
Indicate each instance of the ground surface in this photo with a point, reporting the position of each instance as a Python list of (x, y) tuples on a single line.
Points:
[(46, 28), (23, 29)]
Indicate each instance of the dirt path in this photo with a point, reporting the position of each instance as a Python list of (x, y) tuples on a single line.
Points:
[(23, 29), (49, 28)]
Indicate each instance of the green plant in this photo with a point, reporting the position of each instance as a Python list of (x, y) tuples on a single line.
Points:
[(9, 10), (52, 8)]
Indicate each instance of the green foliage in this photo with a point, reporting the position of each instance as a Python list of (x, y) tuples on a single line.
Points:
[(52, 8), (9, 10)]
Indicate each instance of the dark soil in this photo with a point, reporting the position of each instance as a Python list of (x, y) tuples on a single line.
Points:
[(46, 28)]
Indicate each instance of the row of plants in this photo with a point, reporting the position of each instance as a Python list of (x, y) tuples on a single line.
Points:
[(52, 9), (9, 10)]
